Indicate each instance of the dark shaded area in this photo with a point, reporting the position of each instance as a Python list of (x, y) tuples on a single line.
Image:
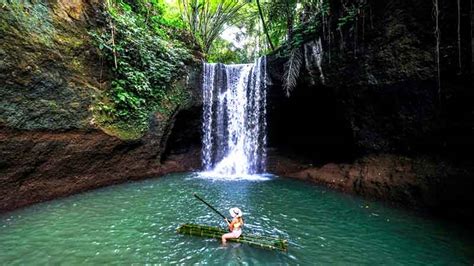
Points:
[(380, 92), (379, 125), (309, 125), (186, 132), (458, 114)]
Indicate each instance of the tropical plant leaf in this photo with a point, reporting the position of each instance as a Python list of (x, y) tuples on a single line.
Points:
[(292, 70)]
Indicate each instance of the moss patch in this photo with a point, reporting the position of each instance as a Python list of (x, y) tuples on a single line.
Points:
[(178, 97)]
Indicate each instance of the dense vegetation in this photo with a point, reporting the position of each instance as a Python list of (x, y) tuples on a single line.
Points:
[(147, 44), (143, 45), (261, 27)]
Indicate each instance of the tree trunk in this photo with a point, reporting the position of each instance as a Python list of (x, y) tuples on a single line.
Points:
[(289, 21), (264, 26)]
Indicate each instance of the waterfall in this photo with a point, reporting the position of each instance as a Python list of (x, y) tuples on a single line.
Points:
[(234, 119)]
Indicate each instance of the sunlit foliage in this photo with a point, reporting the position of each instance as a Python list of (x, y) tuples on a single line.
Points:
[(141, 46), (206, 19)]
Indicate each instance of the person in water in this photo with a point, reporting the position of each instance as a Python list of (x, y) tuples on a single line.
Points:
[(235, 226)]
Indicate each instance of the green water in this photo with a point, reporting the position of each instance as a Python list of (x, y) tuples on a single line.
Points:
[(136, 223)]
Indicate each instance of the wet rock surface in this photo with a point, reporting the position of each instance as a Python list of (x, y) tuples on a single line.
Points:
[(426, 183), (50, 75), (37, 166), (379, 92), (378, 125), (50, 70)]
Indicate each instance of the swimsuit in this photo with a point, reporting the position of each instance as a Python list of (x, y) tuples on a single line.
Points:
[(234, 234)]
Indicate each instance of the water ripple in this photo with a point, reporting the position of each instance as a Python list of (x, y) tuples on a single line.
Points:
[(136, 224)]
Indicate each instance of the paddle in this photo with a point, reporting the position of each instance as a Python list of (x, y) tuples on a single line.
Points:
[(209, 205)]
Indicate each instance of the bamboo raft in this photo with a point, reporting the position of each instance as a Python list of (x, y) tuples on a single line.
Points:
[(265, 242)]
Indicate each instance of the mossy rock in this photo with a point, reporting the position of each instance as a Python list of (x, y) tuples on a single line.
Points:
[(49, 69)]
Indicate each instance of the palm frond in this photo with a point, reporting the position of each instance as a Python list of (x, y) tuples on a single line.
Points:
[(292, 70)]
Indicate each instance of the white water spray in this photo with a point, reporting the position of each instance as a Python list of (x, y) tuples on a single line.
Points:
[(234, 119)]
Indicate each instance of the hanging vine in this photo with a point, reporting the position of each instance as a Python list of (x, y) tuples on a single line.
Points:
[(459, 36), (438, 39)]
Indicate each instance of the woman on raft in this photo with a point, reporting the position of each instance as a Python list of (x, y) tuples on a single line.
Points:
[(235, 226)]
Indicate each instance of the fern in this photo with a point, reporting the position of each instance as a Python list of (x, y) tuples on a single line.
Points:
[(292, 70)]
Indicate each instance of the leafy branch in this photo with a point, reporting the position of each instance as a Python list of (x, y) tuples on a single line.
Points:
[(206, 19)]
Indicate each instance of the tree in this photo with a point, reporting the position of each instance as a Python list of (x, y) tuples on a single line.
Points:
[(264, 25), (282, 14), (206, 19)]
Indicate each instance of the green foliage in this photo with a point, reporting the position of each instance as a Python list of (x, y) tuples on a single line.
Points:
[(206, 19), (225, 52), (249, 34), (350, 15), (281, 16), (148, 63), (315, 24), (309, 18)]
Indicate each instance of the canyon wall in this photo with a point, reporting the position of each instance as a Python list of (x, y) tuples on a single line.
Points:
[(51, 74), (376, 124), (371, 118)]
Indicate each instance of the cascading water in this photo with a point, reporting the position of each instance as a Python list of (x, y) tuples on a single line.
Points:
[(234, 119)]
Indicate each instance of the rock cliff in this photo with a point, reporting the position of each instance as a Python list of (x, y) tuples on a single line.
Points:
[(370, 118), (50, 76)]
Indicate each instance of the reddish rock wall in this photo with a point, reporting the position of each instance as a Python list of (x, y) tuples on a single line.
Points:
[(37, 166)]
